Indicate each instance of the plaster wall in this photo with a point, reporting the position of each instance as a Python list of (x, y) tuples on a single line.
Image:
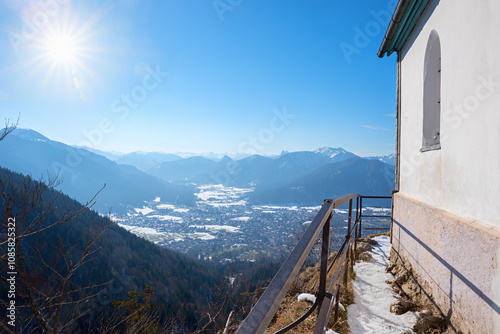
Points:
[(463, 177), (459, 258)]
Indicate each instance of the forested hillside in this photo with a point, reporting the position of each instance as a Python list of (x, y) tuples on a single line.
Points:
[(85, 262)]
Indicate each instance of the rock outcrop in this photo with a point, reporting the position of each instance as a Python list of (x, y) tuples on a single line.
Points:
[(411, 290)]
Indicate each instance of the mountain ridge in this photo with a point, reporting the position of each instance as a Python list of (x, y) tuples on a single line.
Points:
[(331, 181), (85, 172)]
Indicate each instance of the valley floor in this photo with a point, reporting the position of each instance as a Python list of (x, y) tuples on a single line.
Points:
[(223, 227)]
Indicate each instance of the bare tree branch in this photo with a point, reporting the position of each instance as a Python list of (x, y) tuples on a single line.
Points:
[(43, 297), (9, 127)]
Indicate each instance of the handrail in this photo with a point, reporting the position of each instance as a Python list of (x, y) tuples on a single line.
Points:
[(361, 215), (266, 307)]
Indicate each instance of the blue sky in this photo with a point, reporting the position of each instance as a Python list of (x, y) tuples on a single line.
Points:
[(197, 76)]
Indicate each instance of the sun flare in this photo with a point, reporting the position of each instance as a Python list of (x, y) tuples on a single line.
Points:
[(61, 48)]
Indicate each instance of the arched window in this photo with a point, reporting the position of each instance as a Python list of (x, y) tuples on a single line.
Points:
[(432, 94)]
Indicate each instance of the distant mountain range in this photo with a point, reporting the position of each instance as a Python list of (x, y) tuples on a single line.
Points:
[(255, 170), (83, 173), (305, 177), (147, 160), (357, 175), (264, 172), (388, 159)]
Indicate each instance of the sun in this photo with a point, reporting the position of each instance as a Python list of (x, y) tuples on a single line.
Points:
[(61, 48)]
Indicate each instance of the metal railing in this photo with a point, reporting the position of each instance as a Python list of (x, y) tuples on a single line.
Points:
[(266, 307)]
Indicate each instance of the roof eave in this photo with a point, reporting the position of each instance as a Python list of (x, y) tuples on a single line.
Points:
[(403, 21)]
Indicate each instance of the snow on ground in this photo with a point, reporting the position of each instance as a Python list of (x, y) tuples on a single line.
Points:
[(274, 208), (145, 210), (218, 204), (139, 230), (283, 207), (306, 297), (311, 208), (166, 217), (377, 209), (373, 297), (165, 206), (206, 195), (203, 236), (219, 192), (277, 207), (243, 219), (153, 235), (181, 210), (227, 228), (116, 218), (181, 236), (220, 196)]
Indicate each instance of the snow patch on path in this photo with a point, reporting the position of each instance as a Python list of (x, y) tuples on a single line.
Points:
[(331, 331), (373, 297)]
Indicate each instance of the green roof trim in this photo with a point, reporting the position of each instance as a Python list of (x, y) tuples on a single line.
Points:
[(413, 9), (408, 22)]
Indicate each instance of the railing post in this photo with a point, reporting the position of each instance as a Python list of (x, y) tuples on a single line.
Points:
[(357, 208), (356, 236), (360, 214), (349, 219), (353, 254), (357, 217), (336, 314), (348, 237), (325, 250), (344, 280)]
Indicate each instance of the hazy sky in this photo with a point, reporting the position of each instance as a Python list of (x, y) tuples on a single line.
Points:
[(253, 76)]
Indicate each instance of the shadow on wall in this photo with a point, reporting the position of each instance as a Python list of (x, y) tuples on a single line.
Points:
[(454, 274)]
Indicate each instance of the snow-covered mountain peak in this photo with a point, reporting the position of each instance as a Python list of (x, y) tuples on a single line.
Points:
[(330, 151), (29, 134)]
